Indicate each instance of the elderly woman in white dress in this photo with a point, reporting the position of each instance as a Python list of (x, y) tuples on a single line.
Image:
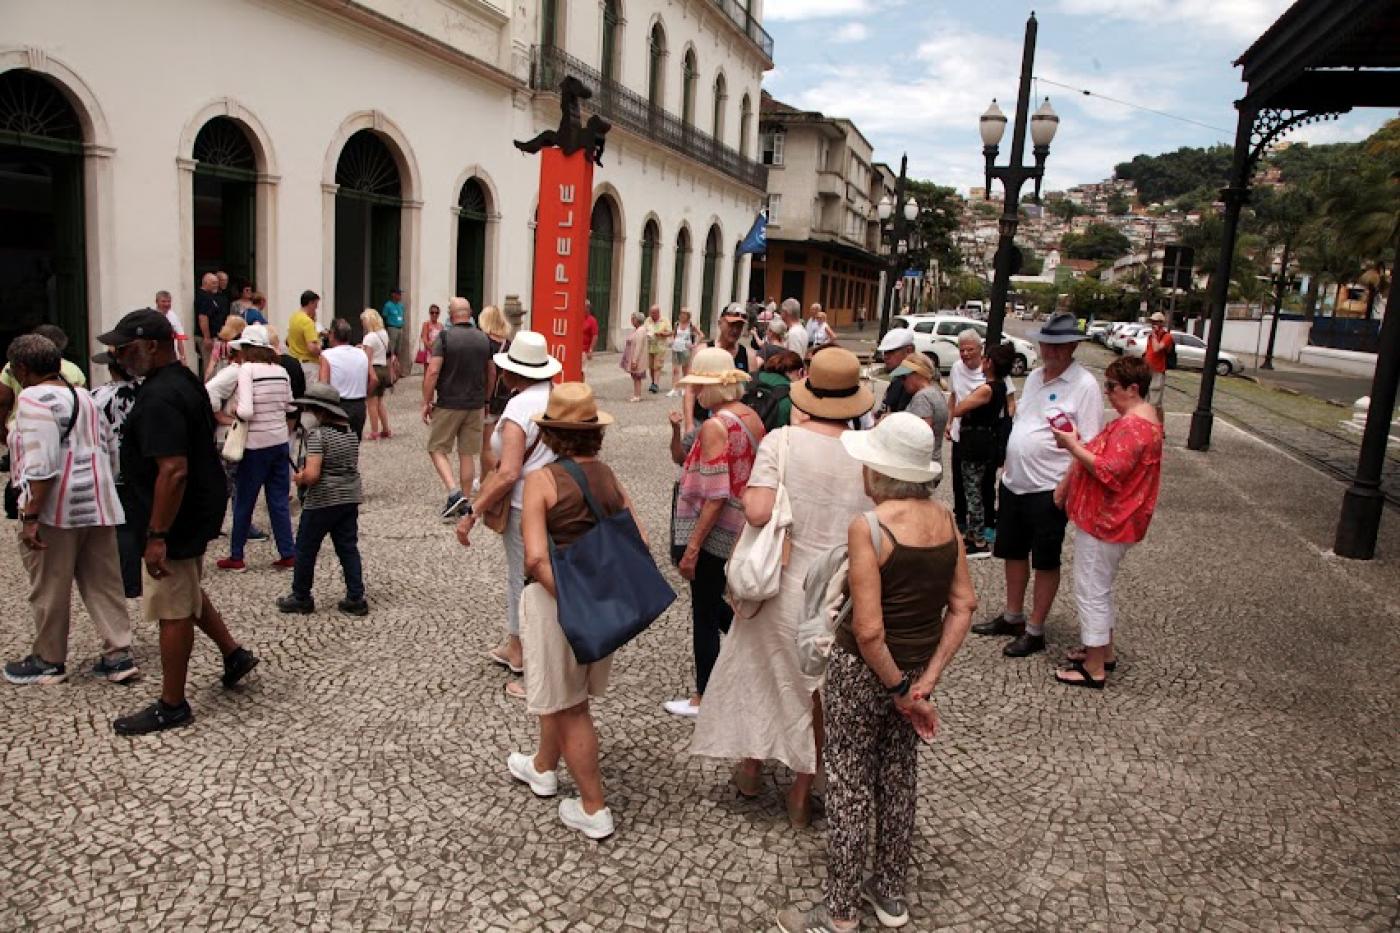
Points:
[(759, 705)]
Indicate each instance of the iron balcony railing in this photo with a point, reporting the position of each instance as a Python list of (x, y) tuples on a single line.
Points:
[(549, 66), (739, 15)]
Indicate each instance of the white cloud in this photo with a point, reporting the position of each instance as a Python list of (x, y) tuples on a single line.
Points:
[(930, 103), (813, 9), (1351, 129), (851, 32), (1243, 20)]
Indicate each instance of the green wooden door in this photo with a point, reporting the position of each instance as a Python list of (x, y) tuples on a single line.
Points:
[(600, 262), (471, 244), (708, 283), (383, 259), (679, 277), (69, 257), (646, 287)]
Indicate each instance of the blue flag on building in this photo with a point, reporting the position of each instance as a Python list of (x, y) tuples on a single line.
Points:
[(757, 239)]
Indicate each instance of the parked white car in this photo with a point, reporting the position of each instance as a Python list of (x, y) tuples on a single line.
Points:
[(1117, 337), (1190, 353), (1098, 330), (937, 335)]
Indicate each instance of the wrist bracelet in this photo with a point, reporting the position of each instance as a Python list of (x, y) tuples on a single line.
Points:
[(902, 688), (152, 535)]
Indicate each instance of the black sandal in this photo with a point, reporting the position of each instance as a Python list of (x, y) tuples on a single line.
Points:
[(1078, 668), (1107, 665)]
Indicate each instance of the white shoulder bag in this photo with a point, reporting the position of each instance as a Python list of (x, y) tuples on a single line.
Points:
[(754, 572)]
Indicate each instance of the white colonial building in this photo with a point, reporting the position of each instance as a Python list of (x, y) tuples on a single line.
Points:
[(349, 146)]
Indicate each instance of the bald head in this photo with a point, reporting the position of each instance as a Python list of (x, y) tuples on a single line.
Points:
[(459, 310), (210, 282)]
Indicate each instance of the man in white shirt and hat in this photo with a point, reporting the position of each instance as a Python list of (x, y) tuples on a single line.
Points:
[(1030, 526)]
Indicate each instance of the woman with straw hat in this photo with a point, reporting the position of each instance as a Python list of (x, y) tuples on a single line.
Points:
[(526, 369), (912, 605), (760, 705), (557, 687), (709, 511)]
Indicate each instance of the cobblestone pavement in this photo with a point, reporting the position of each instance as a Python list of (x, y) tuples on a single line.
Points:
[(1239, 773)]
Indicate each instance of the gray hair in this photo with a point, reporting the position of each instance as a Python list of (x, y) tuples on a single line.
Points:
[(778, 328), (54, 334), (969, 335), (340, 330), (791, 306), (637, 318), (883, 488), (162, 294), (36, 353)]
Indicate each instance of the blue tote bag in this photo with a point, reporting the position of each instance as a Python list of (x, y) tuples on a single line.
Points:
[(608, 587)]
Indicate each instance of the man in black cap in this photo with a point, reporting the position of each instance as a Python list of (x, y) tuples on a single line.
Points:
[(178, 495)]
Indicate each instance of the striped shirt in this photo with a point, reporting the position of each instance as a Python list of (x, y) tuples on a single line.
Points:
[(264, 401), (83, 466), (339, 484)]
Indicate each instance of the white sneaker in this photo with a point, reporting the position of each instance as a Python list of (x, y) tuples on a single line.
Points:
[(597, 826), (683, 708), (522, 768), (476, 487), (674, 393)]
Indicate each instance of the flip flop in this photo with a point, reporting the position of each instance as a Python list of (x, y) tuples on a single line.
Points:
[(1077, 654), (498, 659), (515, 690), (1078, 668)]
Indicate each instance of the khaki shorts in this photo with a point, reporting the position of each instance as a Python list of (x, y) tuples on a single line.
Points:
[(1157, 389), (554, 680), (451, 427), (177, 596)]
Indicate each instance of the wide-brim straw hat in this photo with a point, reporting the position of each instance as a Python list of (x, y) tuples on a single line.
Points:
[(713, 366), (832, 388), (528, 356), (231, 330), (320, 395), (1062, 327), (900, 447), (572, 406)]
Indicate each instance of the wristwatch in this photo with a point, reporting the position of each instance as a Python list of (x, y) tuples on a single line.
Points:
[(30, 519), (902, 688), (153, 535)]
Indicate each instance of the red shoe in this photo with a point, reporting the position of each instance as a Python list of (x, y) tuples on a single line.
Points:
[(231, 563), (372, 436), (386, 434), (285, 563)]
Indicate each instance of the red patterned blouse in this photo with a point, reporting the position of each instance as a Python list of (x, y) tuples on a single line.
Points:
[(1116, 500)]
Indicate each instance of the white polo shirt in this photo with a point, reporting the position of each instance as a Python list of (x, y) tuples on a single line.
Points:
[(1033, 461)]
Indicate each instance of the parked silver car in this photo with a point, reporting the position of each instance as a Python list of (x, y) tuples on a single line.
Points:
[(1190, 353)]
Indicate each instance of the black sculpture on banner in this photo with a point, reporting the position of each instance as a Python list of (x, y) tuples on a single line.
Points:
[(573, 134)]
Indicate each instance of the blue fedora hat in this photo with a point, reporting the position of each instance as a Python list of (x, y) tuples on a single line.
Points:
[(1062, 327)]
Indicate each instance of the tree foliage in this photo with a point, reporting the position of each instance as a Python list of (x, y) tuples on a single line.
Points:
[(1098, 242), (1174, 174)]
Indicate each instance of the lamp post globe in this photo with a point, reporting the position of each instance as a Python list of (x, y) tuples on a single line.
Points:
[(1045, 122), (911, 209), (884, 208), (992, 125)]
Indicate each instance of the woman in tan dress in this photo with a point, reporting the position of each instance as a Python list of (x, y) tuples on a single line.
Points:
[(758, 704)]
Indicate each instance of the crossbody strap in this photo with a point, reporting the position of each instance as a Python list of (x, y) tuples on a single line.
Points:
[(753, 441), (581, 480)]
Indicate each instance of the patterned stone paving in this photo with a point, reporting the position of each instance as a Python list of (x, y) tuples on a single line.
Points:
[(1238, 774)]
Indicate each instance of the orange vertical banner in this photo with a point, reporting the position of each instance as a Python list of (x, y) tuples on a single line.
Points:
[(561, 256)]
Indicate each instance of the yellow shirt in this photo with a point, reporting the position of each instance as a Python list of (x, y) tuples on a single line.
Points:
[(301, 333), (67, 367)]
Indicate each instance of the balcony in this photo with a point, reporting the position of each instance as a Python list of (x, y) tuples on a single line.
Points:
[(830, 184), (738, 14), (632, 111)]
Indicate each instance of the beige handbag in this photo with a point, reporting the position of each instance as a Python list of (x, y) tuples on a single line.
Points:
[(236, 441)]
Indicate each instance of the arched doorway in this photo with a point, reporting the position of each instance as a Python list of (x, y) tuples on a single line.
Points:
[(368, 205), (225, 214), (602, 234), (709, 285), (651, 245), (42, 231), (679, 286), (472, 210)]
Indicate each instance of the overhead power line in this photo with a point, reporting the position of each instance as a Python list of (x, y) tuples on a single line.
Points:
[(1126, 103)]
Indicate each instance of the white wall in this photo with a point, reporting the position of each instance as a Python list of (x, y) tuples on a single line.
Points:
[(310, 74), (1253, 337)]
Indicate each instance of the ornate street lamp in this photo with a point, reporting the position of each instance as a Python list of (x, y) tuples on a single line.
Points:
[(992, 125)]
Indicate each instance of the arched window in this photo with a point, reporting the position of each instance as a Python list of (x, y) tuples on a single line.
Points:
[(601, 241), (550, 33), (689, 73), (745, 118), (679, 284), (656, 50), (651, 245), (721, 99), (611, 32)]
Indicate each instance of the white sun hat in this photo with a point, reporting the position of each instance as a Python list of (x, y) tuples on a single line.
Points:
[(900, 446), (254, 335), (528, 356)]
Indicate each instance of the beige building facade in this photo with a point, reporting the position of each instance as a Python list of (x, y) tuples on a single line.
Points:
[(353, 146)]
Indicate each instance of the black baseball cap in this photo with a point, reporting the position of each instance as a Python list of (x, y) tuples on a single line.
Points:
[(145, 324)]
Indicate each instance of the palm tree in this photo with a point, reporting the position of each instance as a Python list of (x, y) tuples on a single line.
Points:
[(1363, 208)]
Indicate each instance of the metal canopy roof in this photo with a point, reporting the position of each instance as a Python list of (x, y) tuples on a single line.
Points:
[(1326, 55)]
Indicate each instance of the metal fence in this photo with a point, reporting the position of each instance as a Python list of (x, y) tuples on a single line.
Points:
[(1342, 333), (549, 66), (739, 14)]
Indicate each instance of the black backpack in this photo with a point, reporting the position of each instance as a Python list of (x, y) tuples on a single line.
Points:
[(766, 401), (1171, 355)]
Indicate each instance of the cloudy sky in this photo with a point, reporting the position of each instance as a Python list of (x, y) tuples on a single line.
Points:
[(915, 75)]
